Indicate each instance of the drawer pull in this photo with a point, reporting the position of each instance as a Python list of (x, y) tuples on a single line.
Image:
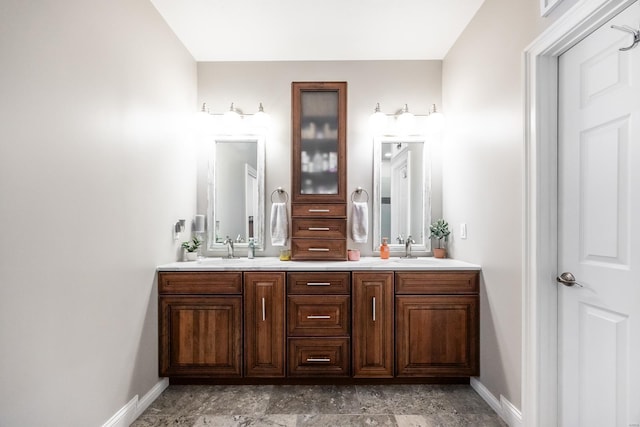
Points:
[(318, 359), (318, 229), (264, 314), (318, 317), (374, 308), (318, 284), (319, 210), (318, 249)]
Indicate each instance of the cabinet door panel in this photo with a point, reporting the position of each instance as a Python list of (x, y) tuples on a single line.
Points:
[(437, 335), (264, 324), (319, 149), (200, 336), (373, 325)]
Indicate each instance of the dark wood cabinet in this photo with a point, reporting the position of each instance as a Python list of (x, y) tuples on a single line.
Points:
[(319, 170), (372, 326), (200, 335), (437, 326), (308, 325), (264, 324)]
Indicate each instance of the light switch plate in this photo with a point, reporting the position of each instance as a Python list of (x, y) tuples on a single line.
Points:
[(463, 231)]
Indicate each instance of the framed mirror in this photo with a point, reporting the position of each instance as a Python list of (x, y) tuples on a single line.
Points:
[(236, 191), (402, 192)]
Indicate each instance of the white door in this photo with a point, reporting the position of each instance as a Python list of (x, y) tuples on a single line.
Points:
[(599, 229)]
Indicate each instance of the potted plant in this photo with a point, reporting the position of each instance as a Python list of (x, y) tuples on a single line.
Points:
[(440, 231), (191, 248)]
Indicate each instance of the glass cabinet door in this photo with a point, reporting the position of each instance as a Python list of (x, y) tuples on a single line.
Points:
[(319, 141)]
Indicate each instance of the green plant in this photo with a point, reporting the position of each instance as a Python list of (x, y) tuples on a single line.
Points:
[(192, 245), (440, 231)]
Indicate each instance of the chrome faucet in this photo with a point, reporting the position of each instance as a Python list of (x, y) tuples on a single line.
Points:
[(407, 247), (229, 242)]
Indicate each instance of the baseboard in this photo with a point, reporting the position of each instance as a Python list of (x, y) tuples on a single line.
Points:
[(150, 396), (132, 410), (505, 409)]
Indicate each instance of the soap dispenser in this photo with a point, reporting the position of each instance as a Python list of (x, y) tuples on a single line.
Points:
[(252, 248), (384, 249)]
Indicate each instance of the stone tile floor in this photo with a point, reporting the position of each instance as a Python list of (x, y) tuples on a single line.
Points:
[(319, 405)]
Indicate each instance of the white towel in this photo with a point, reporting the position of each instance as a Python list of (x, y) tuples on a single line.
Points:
[(360, 222), (279, 224)]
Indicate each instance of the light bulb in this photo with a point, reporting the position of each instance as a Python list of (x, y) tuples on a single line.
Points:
[(232, 119), (261, 119), (377, 121), (435, 121), (406, 121)]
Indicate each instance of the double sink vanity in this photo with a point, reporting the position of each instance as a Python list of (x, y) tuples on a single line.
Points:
[(318, 317), (242, 320)]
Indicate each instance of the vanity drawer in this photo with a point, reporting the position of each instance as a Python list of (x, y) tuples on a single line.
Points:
[(314, 210), (319, 228), (200, 283), (319, 249), (319, 283), (419, 282), (312, 357), (318, 316)]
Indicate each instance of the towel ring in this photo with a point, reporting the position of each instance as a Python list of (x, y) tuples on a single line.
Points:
[(358, 192), (280, 190)]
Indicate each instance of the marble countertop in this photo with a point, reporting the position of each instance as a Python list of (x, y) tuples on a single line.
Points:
[(274, 263)]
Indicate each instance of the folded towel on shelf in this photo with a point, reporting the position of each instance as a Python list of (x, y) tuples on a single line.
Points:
[(360, 222), (279, 224)]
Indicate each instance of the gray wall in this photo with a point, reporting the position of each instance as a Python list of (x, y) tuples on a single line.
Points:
[(483, 172), (95, 167), (392, 83)]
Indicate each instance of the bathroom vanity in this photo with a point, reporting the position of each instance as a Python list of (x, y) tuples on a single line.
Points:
[(260, 320)]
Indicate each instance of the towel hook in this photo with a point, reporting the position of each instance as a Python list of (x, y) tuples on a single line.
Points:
[(358, 192), (628, 29), (280, 190)]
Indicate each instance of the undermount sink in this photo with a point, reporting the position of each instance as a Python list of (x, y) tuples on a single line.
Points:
[(234, 260), (415, 260)]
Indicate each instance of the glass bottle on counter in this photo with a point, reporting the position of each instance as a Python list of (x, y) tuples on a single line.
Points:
[(384, 249)]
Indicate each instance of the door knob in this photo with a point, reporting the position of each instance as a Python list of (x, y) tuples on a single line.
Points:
[(568, 279)]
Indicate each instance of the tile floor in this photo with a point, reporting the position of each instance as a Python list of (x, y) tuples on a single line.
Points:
[(319, 405)]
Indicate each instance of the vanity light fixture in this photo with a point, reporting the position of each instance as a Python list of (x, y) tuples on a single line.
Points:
[(405, 121), (233, 118)]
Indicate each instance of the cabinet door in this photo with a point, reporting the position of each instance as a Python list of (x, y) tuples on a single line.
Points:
[(437, 336), (264, 324), (200, 336), (319, 114), (372, 326)]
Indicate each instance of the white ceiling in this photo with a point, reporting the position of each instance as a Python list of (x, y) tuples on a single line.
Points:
[(317, 30)]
